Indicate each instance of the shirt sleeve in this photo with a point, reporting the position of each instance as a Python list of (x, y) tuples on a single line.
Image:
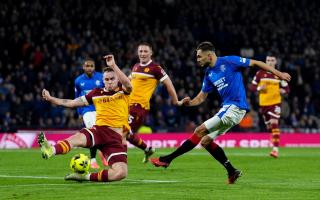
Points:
[(160, 74), (207, 86), (88, 97), (238, 61), (76, 89)]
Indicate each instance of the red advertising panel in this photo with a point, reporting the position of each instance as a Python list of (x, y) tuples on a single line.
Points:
[(28, 139)]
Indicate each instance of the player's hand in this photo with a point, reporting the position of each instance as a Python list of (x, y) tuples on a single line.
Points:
[(110, 60), (261, 88), (285, 76), (185, 101), (46, 95)]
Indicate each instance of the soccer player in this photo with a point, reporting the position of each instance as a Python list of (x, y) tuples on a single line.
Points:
[(224, 75), (112, 107), (84, 83), (270, 88), (145, 77)]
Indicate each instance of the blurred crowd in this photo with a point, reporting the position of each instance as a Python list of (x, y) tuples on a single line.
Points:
[(43, 44)]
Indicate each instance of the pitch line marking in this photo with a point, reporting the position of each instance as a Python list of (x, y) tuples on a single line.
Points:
[(130, 181)]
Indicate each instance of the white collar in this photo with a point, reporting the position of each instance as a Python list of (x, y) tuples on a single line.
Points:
[(143, 65)]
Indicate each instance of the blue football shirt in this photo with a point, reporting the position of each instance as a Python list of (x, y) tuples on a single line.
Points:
[(83, 85), (226, 77)]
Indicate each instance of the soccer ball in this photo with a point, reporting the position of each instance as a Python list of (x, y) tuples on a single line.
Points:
[(80, 163)]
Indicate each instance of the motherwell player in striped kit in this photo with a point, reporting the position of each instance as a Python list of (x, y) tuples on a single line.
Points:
[(145, 77), (109, 132), (270, 88)]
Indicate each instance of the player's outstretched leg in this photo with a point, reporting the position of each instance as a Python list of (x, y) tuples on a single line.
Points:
[(46, 148), (217, 152), (188, 145)]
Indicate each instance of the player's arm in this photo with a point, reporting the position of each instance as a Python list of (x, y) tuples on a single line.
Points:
[(62, 102), (264, 66), (124, 80), (172, 91), (195, 101)]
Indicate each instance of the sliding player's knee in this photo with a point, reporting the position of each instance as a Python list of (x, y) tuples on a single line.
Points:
[(206, 141), (121, 172)]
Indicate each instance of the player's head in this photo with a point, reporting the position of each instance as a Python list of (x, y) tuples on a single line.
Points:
[(88, 67), (271, 59), (110, 79), (206, 54), (144, 52)]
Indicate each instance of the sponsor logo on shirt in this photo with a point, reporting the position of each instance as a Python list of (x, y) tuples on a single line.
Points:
[(220, 84)]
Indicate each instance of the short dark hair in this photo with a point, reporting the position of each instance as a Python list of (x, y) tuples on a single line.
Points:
[(145, 44), (107, 69), (88, 59), (271, 54), (206, 46)]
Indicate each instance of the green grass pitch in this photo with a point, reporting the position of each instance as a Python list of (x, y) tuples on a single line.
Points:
[(195, 175)]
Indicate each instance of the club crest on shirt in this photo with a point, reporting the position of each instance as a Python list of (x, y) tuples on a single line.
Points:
[(147, 69), (223, 68), (97, 82)]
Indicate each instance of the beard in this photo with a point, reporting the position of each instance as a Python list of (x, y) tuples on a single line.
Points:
[(206, 64)]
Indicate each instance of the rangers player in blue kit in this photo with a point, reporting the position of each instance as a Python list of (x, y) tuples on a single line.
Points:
[(84, 83), (224, 75)]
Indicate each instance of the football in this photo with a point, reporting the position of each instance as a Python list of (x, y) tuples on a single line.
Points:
[(80, 163)]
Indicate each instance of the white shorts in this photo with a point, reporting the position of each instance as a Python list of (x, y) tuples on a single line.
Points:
[(227, 117), (89, 119)]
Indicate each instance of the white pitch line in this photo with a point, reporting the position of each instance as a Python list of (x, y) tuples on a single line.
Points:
[(151, 181), (30, 177), (33, 185), (61, 178)]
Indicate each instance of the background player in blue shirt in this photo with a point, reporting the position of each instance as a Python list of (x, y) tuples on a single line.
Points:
[(84, 83), (224, 75)]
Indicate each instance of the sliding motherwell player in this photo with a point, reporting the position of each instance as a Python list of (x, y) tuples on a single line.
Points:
[(270, 88)]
